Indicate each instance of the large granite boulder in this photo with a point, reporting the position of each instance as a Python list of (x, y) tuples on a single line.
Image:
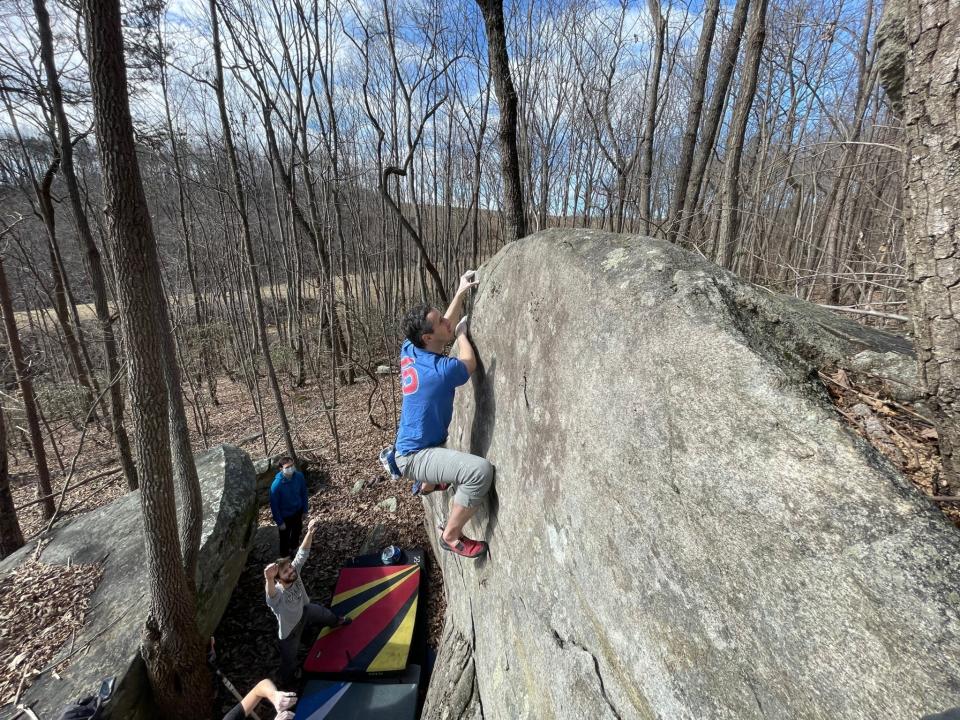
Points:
[(121, 601), (681, 525)]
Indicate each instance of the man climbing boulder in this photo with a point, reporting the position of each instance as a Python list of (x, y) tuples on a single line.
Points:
[(429, 380)]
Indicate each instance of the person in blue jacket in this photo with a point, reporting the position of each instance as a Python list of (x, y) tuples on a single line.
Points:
[(288, 503)]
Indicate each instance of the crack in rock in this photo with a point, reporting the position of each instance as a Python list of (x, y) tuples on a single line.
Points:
[(563, 643)]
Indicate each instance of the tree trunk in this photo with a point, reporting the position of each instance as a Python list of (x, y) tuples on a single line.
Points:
[(650, 121), (932, 232), (11, 537), (711, 122), (91, 257), (730, 206), (26, 391), (697, 92), (516, 224), (172, 648)]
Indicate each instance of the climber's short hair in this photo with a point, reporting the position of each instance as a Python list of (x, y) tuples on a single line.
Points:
[(415, 325)]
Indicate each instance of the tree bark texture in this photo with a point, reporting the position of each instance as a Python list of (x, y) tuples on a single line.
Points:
[(171, 645), (91, 257), (932, 204), (516, 224)]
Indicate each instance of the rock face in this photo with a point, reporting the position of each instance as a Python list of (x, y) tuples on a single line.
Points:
[(681, 527), (120, 603)]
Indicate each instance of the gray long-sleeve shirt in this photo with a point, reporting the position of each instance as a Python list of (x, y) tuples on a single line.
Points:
[(289, 602)]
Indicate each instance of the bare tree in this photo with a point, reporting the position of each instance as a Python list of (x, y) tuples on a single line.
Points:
[(171, 645), (92, 253), (730, 209), (650, 116), (697, 92), (515, 217), (240, 199), (25, 381)]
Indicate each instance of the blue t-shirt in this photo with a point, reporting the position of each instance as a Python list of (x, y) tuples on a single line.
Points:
[(428, 382)]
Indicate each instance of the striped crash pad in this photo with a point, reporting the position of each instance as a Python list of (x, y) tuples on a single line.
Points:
[(382, 601), (341, 700)]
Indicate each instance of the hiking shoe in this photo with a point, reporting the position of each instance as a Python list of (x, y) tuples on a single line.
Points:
[(465, 547)]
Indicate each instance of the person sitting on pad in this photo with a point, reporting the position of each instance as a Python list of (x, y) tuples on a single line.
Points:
[(429, 380), (287, 597)]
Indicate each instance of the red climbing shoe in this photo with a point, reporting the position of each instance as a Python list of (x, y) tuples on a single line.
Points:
[(465, 547)]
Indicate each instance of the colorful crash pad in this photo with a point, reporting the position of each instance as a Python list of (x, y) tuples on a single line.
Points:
[(382, 602), (342, 700)]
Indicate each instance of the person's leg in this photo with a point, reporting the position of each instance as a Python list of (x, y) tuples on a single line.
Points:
[(471, 475), (439, 465), (459, 516), (284, 535), (295, 523), (318, 616), (288, 655)]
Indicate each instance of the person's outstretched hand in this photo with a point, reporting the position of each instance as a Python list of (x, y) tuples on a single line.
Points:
[(284, 700), (312, 526), (467, 280), (270, 571), (462, 327)]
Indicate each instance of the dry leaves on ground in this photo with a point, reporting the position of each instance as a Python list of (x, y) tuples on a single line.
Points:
[(900, 433), (41, 608)]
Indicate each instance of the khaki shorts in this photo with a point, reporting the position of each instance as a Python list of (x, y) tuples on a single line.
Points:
[(470, 475)]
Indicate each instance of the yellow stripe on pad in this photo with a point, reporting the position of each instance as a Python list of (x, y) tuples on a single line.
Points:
[(395, 652)]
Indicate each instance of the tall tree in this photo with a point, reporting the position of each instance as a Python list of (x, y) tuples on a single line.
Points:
[(695, 110), (659, 21), (171, 645), (91, 255), (730, 208), (516, 223), (25, 381), (714, 116), (932, 119)]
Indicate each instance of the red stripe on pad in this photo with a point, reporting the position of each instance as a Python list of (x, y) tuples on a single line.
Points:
[(334, 651)]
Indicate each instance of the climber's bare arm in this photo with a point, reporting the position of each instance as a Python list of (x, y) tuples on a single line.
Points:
[(455, 310)]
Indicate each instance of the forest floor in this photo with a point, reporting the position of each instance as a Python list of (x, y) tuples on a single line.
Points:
[(346, 497), (246, 636)]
